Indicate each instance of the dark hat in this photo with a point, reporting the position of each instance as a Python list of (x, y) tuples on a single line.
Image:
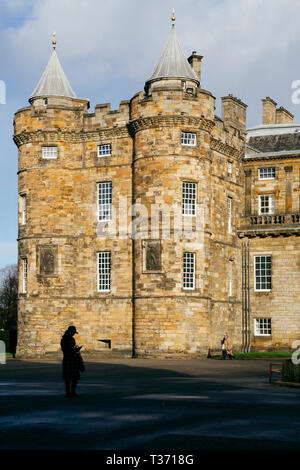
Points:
[(72, 330)]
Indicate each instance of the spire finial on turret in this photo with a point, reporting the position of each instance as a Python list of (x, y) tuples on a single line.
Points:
[(54, 40), (53, 82), (173, 17)]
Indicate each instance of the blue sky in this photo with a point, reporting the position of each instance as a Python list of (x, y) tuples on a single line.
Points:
[(108, 48)]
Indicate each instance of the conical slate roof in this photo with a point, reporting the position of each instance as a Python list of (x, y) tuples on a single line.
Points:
[(173, 63), (53, 81)]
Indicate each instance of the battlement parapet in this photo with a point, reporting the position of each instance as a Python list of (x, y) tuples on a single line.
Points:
[(105, 117), (172, 101), (231, 135), (51, 114)]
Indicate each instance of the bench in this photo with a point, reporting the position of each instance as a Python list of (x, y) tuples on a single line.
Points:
[(274, 368)]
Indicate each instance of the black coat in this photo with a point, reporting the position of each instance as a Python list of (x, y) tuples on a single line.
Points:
[(71, 363)]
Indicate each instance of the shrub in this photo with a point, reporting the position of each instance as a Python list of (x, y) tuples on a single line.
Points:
[(290, 372)]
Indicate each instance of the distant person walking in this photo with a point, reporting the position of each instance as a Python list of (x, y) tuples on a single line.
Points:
[(72, 361), (228, 346)]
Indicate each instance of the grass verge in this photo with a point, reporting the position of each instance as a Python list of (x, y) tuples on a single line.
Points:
[(266, 355)]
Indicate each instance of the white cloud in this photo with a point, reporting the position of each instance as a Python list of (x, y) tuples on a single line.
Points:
[(103, 42), (108, 49)]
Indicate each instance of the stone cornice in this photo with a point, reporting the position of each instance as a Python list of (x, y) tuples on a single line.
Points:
[(170, 121), (70, 136), (226, 149), (263, 233), (266, 157)]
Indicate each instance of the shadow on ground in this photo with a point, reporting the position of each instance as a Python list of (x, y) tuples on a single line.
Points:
[(147, 404)]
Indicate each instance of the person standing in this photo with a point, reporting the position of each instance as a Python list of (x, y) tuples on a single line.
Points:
[(224, 347), (72, 361), (13, 334)]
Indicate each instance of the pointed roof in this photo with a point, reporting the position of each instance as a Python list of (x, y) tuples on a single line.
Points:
[(53, 81), (173, 63)]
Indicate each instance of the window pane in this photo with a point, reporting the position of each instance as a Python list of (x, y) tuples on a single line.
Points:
[(24, 275), (187, 138), (104, 150), (104, 271), (105, 200), (229, 210), (263, 327), (189, 271), (266, 173), (267, 204), (49, 152), (189, 195), (23, 209), (263, 273)]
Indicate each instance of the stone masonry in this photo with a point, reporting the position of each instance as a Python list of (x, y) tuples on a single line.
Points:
[(147, 311)]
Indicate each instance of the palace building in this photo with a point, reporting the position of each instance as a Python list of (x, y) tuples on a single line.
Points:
[(156, 227)]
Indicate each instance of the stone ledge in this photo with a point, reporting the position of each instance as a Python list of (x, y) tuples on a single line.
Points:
[(87, 356)]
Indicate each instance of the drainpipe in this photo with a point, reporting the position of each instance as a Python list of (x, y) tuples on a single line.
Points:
[(249, 311), (133, 343), (243, 298), (246, 302)]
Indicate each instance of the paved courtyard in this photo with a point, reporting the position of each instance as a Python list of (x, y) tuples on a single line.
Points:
[(147, 404)]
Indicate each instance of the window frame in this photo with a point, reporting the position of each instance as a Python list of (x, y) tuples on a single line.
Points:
[(184, 273), (106, 276), (104, 154), (24, 275), (257, 327), (255, 274), (44, 147), (272, 205), (184, 135), (23, 209), (230, 279), (191, 188), (103, 205), (229, 215), (266, 168)]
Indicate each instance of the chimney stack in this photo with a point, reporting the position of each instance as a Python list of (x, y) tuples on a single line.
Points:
[(234, 112), (269, 111), (271, 115), (283, 116), (195, 61)]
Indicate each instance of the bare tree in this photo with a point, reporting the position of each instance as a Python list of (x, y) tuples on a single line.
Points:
[(9, 299)]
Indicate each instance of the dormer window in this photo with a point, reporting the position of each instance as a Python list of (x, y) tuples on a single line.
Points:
[(104, 150), (187, 138), (49, 152)]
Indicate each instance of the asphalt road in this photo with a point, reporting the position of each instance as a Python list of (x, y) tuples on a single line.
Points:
[(148, 404)]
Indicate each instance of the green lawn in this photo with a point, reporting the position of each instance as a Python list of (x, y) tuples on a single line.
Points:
[(267, 355)]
